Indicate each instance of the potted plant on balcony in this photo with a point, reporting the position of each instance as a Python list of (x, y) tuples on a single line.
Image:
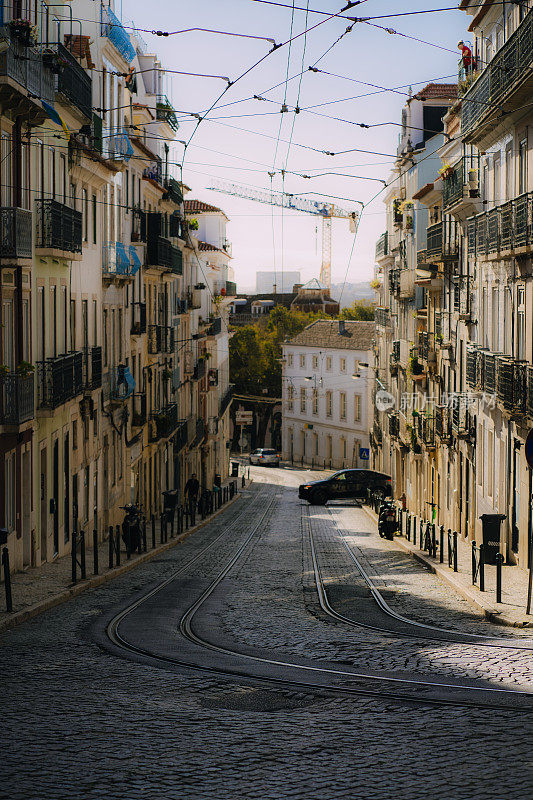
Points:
[(4, 370), (446, 171), (415, 367), (24, 31), (54, 61), (409, 222), (25, 368), (193, 224)]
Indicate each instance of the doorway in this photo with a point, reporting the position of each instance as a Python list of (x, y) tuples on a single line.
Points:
[(66, 488), (27, 555), (43, 509), (55, 495)]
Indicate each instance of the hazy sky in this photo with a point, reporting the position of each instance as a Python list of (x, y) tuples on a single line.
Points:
[(222, 149)]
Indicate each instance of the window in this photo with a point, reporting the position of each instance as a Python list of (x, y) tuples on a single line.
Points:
[(495, 315), (329, 404), (95, 219), (9, 479), (357, 407), (520, 323), (302, 399), (315, 362), (329, 447), (104, 337), (74, 434), (490, 463), (343, 405), (328, 363), (290, 401), (522, 166), (316, 443), (343, 365), (302, 361), (497, 178), (509, 173), (85, 212), (315, 401), (290, 360)]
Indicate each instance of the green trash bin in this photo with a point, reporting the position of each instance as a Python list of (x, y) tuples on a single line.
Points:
[(491, 536)]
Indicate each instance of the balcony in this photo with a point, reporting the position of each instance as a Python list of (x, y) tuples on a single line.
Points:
[(407, 284), (161, 253), (511, 384), (23, 66), (72, 82), (231, 289), (118, 384), (160, 339), (503, 86), (529, 392), (117, 35), (503, 231), (394, 281), (138, 318), (165, 112), (173, 193), (443, 241), (424, 426), (60, 379), (59, 228), (225, 401), (382, 246), (394, 426), (118, 263), (138, 417), (92, 368), (17, 398), (15, 233), (460, 196), (382, 317), (166, 421), (443, 423), (199, 369), (181, 435), (474, 367), (215, 328), (377, 433)]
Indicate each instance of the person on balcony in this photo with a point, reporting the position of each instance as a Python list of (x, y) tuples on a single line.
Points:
[(469, 61)]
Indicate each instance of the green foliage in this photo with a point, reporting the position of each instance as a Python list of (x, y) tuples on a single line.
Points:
[(362, 310), (255, 351)]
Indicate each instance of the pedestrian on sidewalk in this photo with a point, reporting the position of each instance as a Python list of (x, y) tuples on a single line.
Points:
[(192, 487)]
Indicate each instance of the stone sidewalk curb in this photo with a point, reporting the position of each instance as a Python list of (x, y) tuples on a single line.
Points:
[(19, 617), (471, 596)]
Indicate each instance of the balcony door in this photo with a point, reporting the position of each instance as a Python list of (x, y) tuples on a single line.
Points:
[(8, 342)]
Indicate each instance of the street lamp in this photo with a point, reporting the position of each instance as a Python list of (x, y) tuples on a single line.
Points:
[(313, 378)]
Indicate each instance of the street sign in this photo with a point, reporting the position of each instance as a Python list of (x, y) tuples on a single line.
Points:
[(308, 426), (244, 417), (364, 453), (528, 449)]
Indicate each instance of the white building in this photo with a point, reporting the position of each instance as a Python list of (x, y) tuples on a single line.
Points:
[(325, 389), (267, 281)]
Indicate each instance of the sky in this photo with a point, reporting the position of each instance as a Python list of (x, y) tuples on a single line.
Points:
[(238, 140)]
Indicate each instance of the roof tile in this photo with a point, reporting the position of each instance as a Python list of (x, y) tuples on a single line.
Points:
[(326, 334)]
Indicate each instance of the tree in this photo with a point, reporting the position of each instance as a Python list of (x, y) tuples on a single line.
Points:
[(361, 310)]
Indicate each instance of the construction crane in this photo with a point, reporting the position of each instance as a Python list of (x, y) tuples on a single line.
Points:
[(295, 202)]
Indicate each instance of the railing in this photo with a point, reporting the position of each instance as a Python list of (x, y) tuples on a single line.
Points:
[(199, 369), (463, 177), (443, 423), (382, 317), (424, 425), (139, 416), (60, 379), (377, 433), (58, 226), (160, 339), (165, 112), (472, 363), (15, 233), (25, 66), (511, 384), (443, 240), (216, 327), (166, 421), (138, 318), (72, 81), (243, 319), (231, 289), (504, 229), (396, 350), (17, 393), (382, 245), (505, 71), (161, 253), (394, 425), (115, 32), (116, 260), (226, 400), (174, 193), (92, 367), (394, 280), (181, 435)]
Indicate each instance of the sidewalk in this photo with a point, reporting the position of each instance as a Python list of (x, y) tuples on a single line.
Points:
[(510, 612), (39, 588)]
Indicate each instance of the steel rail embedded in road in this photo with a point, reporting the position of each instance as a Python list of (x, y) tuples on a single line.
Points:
[(450, 636), (323, 672)]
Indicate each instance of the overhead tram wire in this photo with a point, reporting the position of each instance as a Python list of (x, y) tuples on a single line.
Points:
[(380, 16)]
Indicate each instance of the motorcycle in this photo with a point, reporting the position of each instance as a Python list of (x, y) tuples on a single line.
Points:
[(131, 528), (387, 520)]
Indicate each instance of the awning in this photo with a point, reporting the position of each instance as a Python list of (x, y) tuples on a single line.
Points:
[(123, 259), (125, 382), (135, 261)]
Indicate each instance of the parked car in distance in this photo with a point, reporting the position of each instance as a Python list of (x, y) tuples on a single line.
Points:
[(346, 484), (265, 458)]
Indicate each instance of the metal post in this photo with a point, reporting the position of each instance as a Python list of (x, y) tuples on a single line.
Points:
[(455, 551), (499, 562), (414, 529), (117, 545), (143, 523), (74, 544), (7, 579), (433, 541), (111, 546), (481, 568), (82, 555), (441, 545), (473, 562), (161, 530), (153, 531), (95, 552)]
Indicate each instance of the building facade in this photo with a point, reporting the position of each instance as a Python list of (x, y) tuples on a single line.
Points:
[(113, 385), (325, 394), (461, 447)]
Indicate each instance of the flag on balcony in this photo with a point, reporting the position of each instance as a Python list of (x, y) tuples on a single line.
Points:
[(54, 116), (134, 260)]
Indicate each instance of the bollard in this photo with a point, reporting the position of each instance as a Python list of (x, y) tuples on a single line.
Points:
[(455, 551), (414, 529), (161, 530), (499, 563), (7, 579), (441, 545), (82, 555), (117, 545), (481, 568), (143, 523), (73, 545), (95, 552), (433, 541), (111, 546), (243, 484), (153, 531), (127, 543)]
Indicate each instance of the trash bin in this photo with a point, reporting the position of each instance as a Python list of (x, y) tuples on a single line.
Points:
[(218, 481), (170, 499), (234, 469), (491, 536)]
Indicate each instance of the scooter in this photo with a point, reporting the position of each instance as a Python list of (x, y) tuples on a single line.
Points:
[(387, 521), (131, 528)]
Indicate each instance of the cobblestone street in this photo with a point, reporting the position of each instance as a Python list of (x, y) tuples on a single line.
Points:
[(86, 719)]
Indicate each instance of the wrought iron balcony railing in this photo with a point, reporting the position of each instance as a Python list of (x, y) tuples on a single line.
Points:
[(199, 369), (160, 339), (226, 400), (505, 72), (161, 253), (461, 182), (394, 425), (138, 318), (503, 230), (174, 193), (511, 384), (58, 226), (216, 327), (382, 245), (166, 421), (17, 398), (72, 81), (15, 233), (443, 240), (92, 367), (443, 423), (25, 66), (60, 379), (231, 289), (165, 112), (181, 435), (139, 416), (382, 317)]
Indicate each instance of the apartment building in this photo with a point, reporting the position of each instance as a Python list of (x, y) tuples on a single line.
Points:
[(326, 385), (103, 356), (471, 354)]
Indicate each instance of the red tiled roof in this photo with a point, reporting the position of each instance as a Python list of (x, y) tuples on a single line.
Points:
[(204, 246), (79, 46), (197, 206), (437, 91)]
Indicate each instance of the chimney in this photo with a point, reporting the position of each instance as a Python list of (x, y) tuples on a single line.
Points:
[(342, 327)]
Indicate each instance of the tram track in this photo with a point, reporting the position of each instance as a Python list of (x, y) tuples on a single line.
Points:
[(422, 630), (289, 674)]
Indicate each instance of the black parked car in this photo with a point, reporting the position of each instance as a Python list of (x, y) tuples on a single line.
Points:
[(348, 483)]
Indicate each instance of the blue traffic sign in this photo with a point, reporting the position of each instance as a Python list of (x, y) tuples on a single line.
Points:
[(364, 453)]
